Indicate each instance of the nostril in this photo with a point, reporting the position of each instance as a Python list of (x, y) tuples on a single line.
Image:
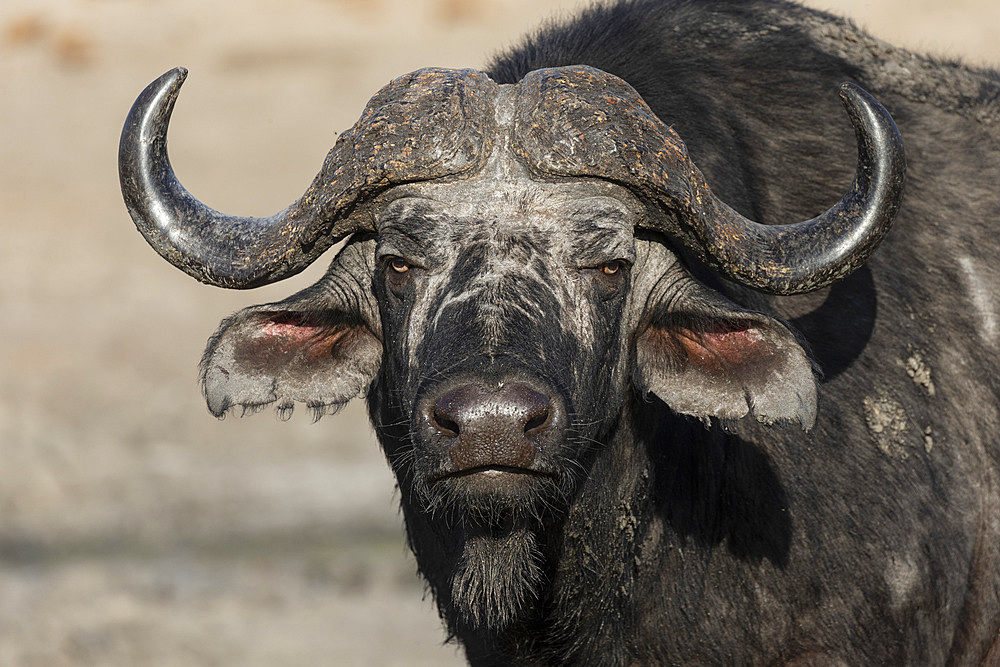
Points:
[(536, 421), (444, 424), (507, 413)]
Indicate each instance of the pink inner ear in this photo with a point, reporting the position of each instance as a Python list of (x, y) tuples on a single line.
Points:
[(718, 346), (288, 328), (280, 338)]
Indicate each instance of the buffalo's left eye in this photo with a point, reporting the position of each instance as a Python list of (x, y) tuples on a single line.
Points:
[(610, 268), (610, 278)]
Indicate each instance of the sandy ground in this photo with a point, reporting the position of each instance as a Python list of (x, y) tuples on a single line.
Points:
[(135, 529)]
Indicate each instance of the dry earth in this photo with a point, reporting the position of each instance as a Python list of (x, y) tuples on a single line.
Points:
[(134, 528)]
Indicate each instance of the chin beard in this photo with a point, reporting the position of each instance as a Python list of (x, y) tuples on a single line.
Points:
[(498, 576), (498, 572)]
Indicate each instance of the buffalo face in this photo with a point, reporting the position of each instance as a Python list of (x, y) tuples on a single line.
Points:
[(502, 323), (502, 303), (502, 307)]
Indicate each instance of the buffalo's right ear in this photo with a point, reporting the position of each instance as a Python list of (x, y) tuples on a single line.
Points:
[(319, 347)]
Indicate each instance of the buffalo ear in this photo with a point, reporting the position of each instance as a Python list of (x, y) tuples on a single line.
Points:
[(707, 357), (269, 354)]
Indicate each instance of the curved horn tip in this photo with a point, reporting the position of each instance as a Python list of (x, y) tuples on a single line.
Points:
[(174, 78), (853, 96), (852, 93), (857, 100), (180, 72), (877, 131), (851, 90), (169, 82), (147, 106)]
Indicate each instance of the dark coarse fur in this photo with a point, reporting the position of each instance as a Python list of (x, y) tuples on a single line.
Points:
[(866, 540), (641, 535)]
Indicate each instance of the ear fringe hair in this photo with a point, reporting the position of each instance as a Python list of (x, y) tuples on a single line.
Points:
[(320, 410), (284, 410)]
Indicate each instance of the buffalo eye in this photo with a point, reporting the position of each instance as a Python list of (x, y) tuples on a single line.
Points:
[(610, 268), (610, 277), (398, 273), (399, 265)]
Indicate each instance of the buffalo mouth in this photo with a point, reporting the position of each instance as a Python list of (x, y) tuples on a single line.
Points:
[(491, 471), (496, 492), (491, 479)]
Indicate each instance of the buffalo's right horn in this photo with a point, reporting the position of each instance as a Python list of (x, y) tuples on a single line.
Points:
[(215, 248), (428, 124)]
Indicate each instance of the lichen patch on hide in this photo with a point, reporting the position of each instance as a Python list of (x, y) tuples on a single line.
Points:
[(887, 423), (902, 576), (928, 439), (920, 373)]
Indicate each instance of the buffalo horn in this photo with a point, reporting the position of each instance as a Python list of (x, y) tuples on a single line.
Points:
[(428, 124), (215, 248), (580, 121), (805, 256)]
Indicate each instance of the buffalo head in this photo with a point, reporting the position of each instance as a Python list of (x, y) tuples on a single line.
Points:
[(513, 279)]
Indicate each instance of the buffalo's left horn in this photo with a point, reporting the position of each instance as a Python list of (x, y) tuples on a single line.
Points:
[(428, 124), (805, 256), (580, 121)]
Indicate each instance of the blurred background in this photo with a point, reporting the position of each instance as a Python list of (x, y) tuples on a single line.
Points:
[(135, 529)]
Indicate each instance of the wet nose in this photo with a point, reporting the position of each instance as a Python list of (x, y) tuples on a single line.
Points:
[(493, 426)]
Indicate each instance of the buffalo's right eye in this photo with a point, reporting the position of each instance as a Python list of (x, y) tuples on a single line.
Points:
[(398, 273)]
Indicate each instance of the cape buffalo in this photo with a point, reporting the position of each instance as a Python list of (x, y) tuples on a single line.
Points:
[(639, 412)]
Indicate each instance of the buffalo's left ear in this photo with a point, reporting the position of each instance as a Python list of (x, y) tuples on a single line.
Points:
[(707, 357), (320, 347)]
